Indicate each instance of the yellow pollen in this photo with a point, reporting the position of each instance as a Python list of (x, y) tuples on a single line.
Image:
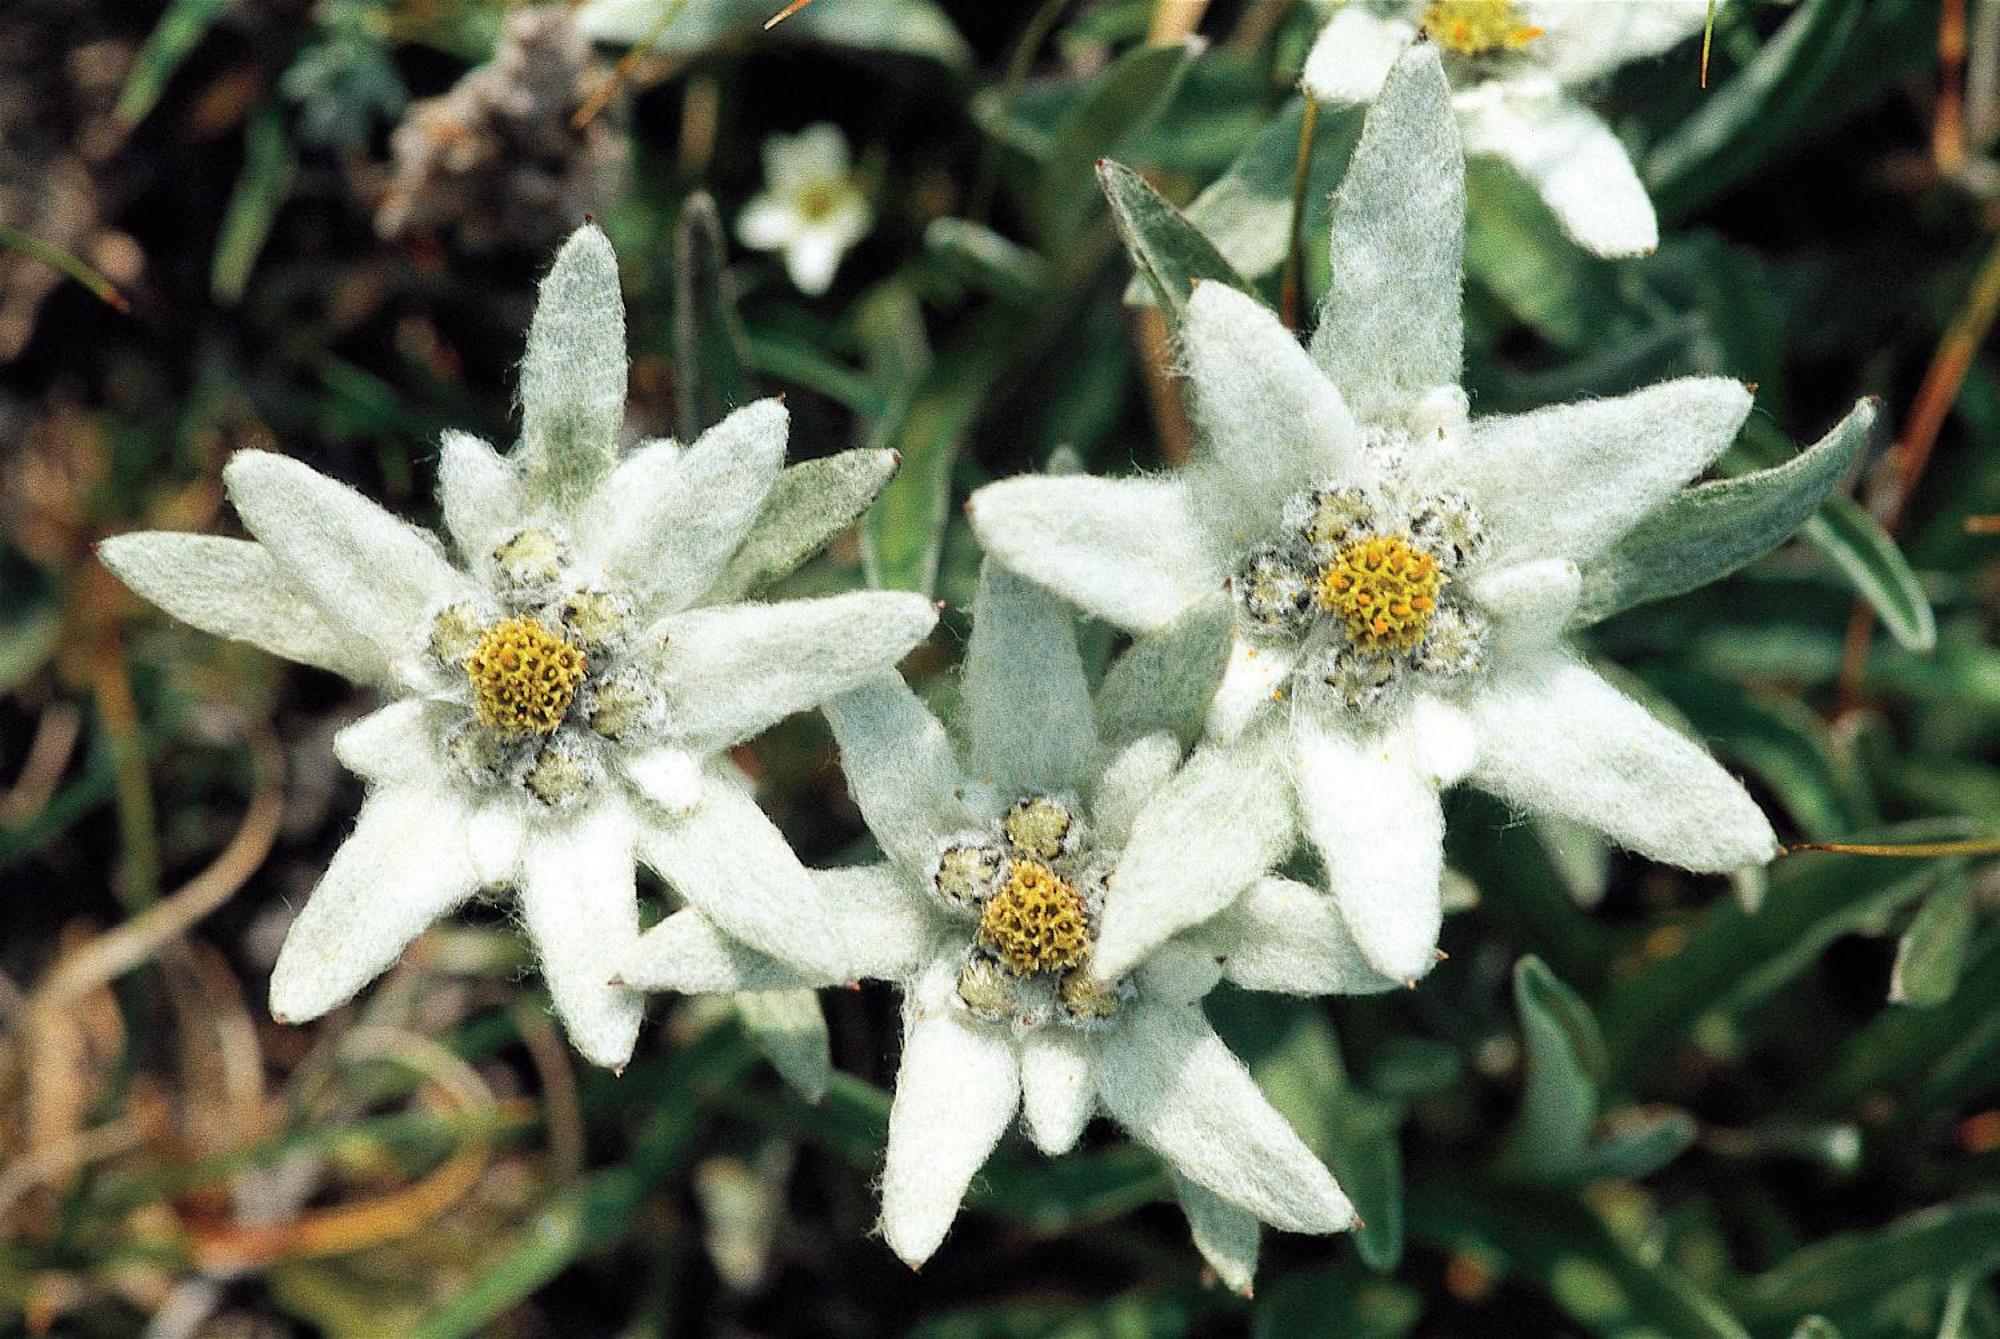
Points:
[(1036, 921), (1478, 27), (1384, 589), (523, 677)]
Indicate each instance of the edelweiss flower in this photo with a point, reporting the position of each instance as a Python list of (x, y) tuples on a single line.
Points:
[(1514, 66), (1402, 576), (813, 207), (1054, 909), (562, 700)]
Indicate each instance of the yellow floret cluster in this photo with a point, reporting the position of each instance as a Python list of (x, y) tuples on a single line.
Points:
[(1478, 27), (523, 676), (1384, 589), (1036, 920)]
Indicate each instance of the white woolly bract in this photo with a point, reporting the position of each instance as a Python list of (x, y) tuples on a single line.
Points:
[(336, 581), (956, 1093)]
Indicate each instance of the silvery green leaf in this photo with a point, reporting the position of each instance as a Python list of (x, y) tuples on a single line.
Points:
[(1932, 952), (573, 377), (1167, 680), (1247, 212), (1708, 531), (1869, 559), (1565, 1062), (810, 504), (1171, 254), (790, 1030)]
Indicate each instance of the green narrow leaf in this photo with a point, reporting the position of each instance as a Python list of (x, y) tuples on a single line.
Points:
[(790, 1030), (1550, 1239), (1931, 956), (903, 535), (811, 503), (992, 263), (259, 194), (1168, 251), (1167, 681), (1732, 957), (1565, 1062), (1515, 249), (1118, 103), (1247, 211), (1840, 1277), (1708, 531), (1869, 559), (177, 33), (708, 345), (1755, 111), (1640, 1143)]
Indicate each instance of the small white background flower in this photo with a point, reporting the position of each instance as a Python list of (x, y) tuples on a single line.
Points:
[(1515, 66), (1054, 907), (1483, 686), (562, 695), (813, 207)]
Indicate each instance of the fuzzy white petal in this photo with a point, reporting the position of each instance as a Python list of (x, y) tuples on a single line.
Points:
[(812, 259), (1252, 681), (1353, 55), (956, 1093), (1555, 738), (581, 911), (1027, 702), (573, 375), (1128, 781), (236, 589), (665, 522), (1569, 480), (666, 777), (688, 954), (393, 745), (368, 570), (1209, 833), (1288, 938), (1126, 550), (1227, 1235), (1391, 328), (767, 223), (1583, 41), (1375, 819), (1574, 163), (1167, 1078), (730, 672), (1057, 1095), (405, 864), (1180, 971), (482, 495), (727, 859), (1272, 424), (1530, 603), (900, 765), (497, 830)]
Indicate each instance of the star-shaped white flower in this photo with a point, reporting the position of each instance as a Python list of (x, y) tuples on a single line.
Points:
[(562, 697), (1514, 67), (1011, 877), (813, 207), (1403, 575)]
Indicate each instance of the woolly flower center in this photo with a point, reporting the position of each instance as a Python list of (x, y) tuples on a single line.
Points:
[(1478, 27), (1384, 589), (523, 676), (1035, 921)]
